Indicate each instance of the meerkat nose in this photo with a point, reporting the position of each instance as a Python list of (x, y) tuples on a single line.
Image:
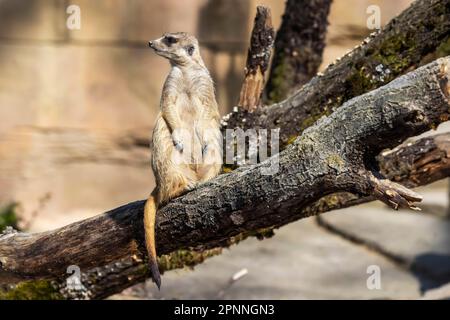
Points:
[(150, 44)]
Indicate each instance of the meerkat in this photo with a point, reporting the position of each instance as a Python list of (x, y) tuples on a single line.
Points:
[(187, 142)]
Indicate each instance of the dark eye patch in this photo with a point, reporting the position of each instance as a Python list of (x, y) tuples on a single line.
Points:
[(170, 40), (190, 50)]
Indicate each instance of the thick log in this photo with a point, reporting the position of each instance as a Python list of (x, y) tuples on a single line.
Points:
[(411, 164), (335, 155)]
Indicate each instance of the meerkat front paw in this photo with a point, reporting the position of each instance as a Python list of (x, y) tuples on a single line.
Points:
[(177, 140), (204, 149), (178, 145)]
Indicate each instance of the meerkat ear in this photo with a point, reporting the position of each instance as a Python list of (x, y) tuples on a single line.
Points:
[(190, 50)]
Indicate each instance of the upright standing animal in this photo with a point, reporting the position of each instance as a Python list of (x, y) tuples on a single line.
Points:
[(187, 142)]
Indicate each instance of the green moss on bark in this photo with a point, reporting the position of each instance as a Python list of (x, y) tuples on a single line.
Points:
[(279, 79), (185, 258), (189, 258), (444, 49), (32, 290)]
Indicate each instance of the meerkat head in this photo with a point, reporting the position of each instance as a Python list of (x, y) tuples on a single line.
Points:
[(178, 47)]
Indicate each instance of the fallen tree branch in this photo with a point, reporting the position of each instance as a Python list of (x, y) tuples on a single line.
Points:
[(397, 48), (298, 47), (334, 155), (258, 58)]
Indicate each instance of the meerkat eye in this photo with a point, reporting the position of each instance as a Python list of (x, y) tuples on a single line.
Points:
[(171, 40), (190, 50)]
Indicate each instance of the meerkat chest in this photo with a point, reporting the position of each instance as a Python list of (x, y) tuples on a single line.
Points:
[(189, 106), (191, 93)]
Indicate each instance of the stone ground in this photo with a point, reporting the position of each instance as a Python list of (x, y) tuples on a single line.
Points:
[(329, 259)]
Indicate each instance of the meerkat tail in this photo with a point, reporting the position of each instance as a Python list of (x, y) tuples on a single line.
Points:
[(149, 226)]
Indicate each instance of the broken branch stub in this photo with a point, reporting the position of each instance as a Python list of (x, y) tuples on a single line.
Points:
[(258, 58)]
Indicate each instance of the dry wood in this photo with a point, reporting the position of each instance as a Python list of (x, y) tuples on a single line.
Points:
[(258, 58)]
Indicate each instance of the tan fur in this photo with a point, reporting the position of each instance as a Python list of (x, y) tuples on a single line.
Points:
[(187, 128)]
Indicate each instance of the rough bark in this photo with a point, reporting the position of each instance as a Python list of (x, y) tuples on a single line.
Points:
[(299, 46), (412, 164), (422, 162), (397, 48), (335, 155), (258, 58)]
